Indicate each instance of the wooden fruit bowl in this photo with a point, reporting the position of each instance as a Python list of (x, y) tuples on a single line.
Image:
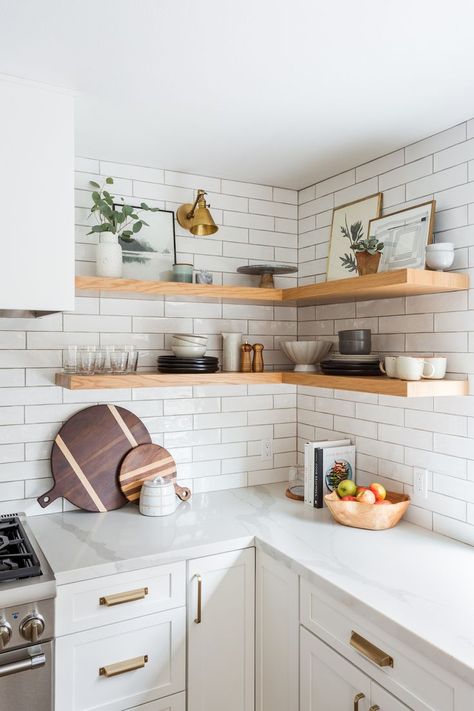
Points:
[(369, 516)]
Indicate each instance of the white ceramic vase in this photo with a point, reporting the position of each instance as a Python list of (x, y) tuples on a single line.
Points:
[(109, 256), (231, 343)]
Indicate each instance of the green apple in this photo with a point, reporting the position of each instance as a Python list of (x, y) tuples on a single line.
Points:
[(347, 488)]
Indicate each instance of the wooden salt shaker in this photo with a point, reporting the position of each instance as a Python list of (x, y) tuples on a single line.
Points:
[(257, 363), (245, 363)]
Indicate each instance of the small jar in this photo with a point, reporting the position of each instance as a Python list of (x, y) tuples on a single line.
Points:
[(158, 497), (183, 272)]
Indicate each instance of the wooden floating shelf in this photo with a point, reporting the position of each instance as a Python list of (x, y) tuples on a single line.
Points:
[(368, 384), (386, 285)]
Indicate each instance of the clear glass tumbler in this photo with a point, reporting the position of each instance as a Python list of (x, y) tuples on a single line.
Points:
[(100, 359), (119, 362), (87, 361), (71, 359)]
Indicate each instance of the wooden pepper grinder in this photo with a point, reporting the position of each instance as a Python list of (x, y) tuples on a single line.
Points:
[(257, 363), (245, 363)]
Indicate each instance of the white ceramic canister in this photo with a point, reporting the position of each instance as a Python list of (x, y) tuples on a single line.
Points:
[(109, 256), (231, 343), (158, 497)]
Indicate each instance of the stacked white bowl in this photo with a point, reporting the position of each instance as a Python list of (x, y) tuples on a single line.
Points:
[(188, 345), (440, 256)]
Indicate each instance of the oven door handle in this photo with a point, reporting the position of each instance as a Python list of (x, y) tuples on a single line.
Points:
[(33, 662)]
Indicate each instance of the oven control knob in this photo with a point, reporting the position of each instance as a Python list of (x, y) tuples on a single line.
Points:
[(32, 627), (5, 633)]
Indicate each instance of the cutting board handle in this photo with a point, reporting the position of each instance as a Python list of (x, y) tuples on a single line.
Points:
[(48, 498)]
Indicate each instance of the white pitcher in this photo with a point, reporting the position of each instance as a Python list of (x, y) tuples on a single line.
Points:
[(231, 351)]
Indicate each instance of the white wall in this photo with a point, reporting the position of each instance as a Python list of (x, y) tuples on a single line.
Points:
[(394, 435), (213, 432)]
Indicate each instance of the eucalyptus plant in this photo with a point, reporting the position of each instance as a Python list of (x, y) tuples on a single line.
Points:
[(357, 243), (125, 222)]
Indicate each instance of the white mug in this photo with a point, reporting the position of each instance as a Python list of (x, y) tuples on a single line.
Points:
[(439, 368), (388, 366), (410, 368)]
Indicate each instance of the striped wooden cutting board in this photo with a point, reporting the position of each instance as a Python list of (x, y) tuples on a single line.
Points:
[(87, 454), (145, 462)]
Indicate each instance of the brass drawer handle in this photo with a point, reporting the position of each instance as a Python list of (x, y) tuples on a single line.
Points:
[(122, 667), (357, 698), (119, 598), (197, 619), (374, 708), (369, 650)]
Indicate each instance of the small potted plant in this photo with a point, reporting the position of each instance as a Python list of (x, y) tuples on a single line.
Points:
[(366, 252), (112, 224)]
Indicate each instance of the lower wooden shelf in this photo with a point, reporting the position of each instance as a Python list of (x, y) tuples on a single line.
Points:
[(368, 384)]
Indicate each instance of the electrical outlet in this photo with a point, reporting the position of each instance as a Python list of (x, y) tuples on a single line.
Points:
[(420, 484), (267, 449)]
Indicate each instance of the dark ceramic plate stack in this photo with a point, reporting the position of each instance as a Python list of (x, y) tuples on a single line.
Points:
[(173, 364), (354, 365)]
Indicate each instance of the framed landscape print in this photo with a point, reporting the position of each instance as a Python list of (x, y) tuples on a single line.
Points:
[(405, 235), (152, 252), (350, 225)]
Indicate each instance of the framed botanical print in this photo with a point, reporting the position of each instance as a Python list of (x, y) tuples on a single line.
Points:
[(350, 226), (404, 235), (152, 252)]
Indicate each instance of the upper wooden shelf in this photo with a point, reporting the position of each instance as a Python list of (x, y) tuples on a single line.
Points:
[(386, 285), (378, 385)]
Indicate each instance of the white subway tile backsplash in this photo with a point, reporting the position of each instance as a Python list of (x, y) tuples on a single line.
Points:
[(437, 181), (406, 173), (434, 143), (380, 165)]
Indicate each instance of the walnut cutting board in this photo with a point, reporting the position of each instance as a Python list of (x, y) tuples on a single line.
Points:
[(145, 462), (87, 454)]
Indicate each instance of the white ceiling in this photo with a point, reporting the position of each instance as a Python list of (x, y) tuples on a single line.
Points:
[(283, 92)]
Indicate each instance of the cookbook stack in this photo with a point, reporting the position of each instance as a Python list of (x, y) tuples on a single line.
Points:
[(326, 464)]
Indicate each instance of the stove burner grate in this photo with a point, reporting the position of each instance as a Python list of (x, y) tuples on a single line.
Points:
[(17, 557)]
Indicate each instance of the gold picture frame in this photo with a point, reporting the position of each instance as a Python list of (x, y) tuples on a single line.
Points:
[(405, 234), (345, 218)]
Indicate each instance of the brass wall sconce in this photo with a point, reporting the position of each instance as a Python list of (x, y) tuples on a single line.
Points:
[(197, 218)]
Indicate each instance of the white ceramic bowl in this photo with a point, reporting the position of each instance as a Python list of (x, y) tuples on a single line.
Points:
[(189, 339), (188, 351), (305, 354), (439, 259)]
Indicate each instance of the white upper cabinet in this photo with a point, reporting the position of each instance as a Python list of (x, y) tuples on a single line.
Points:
[(37, 195)]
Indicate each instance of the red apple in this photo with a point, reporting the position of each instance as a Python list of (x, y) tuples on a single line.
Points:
[(378, 490), (361, 488), (349, 498), (365, 496), (383, 501)]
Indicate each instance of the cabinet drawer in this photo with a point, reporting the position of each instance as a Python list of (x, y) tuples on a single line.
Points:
[(103, 601), (416, 681), (87, 661), (177, 702)]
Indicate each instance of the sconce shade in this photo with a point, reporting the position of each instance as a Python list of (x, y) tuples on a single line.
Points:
[(202, 223), (197, 218)]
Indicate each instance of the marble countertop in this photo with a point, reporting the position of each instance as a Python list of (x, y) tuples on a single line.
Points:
[(417, 584)]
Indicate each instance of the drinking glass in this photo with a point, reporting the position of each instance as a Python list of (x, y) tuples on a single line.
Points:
[(87, 361), (119, 362), (100, 358), (132, 358), (71, 359)]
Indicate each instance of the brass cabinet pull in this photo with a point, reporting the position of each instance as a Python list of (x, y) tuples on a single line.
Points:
[(122, 667), (374, 708), (369, 650), (119, 598), (197, 619), (357, 698)]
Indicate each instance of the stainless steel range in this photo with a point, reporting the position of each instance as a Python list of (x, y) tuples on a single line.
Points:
[(27, 591)]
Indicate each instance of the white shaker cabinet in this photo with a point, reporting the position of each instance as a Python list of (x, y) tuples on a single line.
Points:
[(330, 682), (37, 189), (277, 635), (221, 592)]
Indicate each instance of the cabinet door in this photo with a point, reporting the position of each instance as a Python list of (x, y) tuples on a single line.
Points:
[(150, 651), (221, 632), (177, 702), (328, 682), (385, 701), (37, 189), (277, 636)]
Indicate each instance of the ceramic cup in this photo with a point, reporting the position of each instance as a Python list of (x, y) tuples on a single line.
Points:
[(439, 365), (183, 272), (410, 368), (388, 366)]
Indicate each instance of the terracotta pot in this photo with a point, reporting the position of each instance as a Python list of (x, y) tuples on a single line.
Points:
[(367, 263)]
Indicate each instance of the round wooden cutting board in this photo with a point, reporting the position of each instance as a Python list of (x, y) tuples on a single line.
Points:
[(147, 462), (87, 454)]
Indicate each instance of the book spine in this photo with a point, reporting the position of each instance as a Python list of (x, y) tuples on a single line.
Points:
[(308, 474), (318, 478)]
